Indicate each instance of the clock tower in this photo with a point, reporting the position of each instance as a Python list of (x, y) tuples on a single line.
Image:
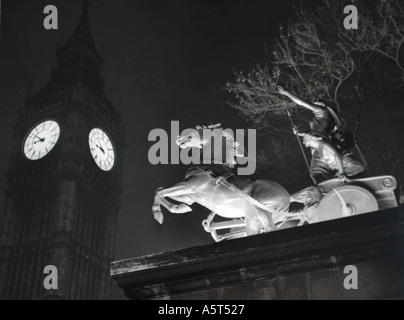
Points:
[(63, 183)]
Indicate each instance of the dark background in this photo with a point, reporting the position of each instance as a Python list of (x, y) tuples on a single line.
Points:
[(164, 60)]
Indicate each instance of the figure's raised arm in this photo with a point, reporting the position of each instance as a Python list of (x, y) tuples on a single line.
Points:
[(297, 100)]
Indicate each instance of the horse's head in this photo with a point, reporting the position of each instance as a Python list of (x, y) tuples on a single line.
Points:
[(193, 138)]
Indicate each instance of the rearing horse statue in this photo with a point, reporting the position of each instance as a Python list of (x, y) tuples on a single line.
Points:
[(217, 188)]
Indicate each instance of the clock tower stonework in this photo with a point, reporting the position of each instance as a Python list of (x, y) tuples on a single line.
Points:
[(61, 207)]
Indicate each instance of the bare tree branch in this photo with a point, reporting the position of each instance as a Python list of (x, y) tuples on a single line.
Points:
[(315, 56)]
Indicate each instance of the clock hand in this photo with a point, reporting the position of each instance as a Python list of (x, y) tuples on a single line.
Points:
[(35, 135), (40, 140), (99, 147)]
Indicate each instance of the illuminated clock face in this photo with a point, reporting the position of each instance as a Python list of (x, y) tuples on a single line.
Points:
[(101, 149), (41, 139)]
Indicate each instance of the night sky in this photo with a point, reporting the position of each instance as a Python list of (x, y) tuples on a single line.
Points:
[(163, 60)]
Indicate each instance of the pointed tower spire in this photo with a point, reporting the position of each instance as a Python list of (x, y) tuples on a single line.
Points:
[(78, 60), (82, 36)]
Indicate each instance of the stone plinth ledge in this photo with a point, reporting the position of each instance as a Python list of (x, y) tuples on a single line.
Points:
[(305, 262)]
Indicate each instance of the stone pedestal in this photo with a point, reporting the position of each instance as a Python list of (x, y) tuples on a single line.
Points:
[(305, 262)]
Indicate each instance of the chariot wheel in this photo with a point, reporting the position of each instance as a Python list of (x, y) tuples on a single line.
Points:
[(344, 202)]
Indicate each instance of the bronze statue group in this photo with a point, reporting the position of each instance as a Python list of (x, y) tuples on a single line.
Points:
[(257, 205)]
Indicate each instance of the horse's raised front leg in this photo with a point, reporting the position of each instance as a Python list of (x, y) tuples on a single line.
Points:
[(179, 191)]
